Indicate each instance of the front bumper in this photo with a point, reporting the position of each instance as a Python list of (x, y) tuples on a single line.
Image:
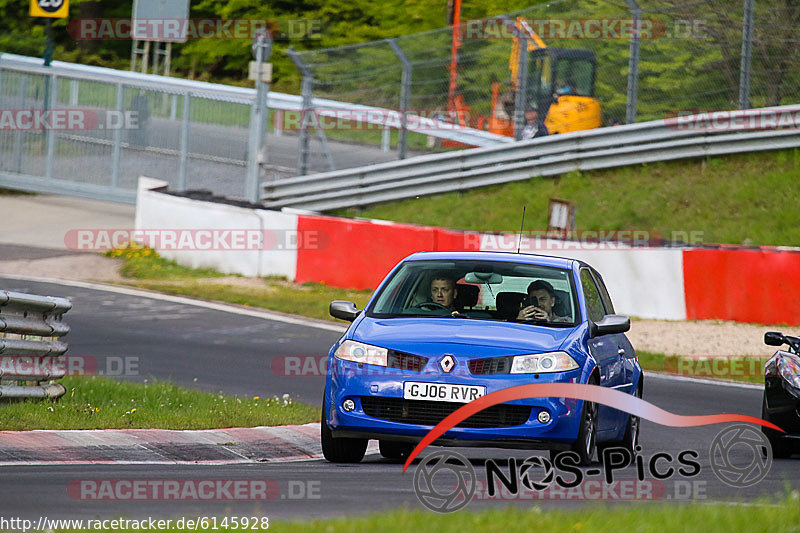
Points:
[(349, 380)]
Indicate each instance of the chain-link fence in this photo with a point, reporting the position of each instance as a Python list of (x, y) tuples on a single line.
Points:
[(101, 136), (586, 63), (566, 65)]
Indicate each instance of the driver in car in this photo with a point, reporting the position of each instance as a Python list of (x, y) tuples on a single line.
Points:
[(443, 291), (541, 300)]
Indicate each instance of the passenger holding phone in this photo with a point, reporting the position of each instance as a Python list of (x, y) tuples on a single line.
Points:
[(539, 304)]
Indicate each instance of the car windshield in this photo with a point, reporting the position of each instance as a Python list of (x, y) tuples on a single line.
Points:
[(487, 290)]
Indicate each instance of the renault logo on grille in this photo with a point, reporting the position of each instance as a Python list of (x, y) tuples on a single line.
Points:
[(447, 363)]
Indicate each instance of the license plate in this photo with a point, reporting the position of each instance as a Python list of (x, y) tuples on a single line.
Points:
[(442, 392)]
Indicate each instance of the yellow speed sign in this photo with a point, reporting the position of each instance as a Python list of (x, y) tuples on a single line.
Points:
[(57, 9)]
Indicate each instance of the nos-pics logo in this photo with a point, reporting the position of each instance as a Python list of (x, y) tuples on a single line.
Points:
[(445, 481)]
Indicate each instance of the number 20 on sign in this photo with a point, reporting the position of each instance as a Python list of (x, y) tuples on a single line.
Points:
[(57, 9)]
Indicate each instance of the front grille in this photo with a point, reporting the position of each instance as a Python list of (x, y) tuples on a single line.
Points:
[(406, 361), (428, 413), (495, 365)]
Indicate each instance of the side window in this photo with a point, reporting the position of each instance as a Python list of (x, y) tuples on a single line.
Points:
[(594, 304), (603, 293)]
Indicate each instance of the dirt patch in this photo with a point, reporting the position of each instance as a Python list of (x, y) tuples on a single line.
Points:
[(88, 267), (698, 338)]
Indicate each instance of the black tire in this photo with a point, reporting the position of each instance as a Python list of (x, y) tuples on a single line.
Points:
[(395, 450), (781, 447), (585, 444), (340, 450), (630, 439)]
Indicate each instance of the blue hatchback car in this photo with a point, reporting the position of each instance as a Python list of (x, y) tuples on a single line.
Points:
[(445, 328)]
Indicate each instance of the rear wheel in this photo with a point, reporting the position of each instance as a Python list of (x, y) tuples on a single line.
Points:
[(781, 446), (395, 450), (340, 450)]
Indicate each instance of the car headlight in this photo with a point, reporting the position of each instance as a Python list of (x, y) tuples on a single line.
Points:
[(542, 362), (362, 353), (789, 369)]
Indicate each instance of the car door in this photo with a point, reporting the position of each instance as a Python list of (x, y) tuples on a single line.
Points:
[(604, 350), (625, 350)]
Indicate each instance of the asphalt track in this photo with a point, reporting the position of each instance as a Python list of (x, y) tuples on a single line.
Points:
[(232, 353)]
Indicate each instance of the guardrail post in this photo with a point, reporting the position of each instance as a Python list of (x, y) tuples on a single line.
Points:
[(405, 96), (521, 100), (50, 136), (747, 55), (115, 151), (184, 160), (633, 62)]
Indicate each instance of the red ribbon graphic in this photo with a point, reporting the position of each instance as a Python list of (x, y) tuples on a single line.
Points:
[(592, 393)]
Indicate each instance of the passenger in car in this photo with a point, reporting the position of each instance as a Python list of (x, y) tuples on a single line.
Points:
[(540, 303)]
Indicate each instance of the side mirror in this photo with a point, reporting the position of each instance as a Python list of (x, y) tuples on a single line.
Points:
[(611, 324), (774, 338), (344, 310)]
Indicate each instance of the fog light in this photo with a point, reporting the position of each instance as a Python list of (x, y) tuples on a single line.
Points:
[(544, 417), (349, 405)]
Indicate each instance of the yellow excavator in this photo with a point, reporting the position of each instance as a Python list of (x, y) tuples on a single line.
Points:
[(560, 86)]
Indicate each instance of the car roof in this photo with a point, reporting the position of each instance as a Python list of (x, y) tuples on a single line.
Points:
[(508, 257)]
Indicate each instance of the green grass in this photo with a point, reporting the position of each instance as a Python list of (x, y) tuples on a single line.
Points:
[(102, 403), (145, 263), (145, 269), (635, 518), (309, 299), (739, 199), (641, 518), (746, 369)]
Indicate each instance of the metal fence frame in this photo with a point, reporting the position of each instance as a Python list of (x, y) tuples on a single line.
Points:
[(58, 70), (30, 327), (643, 142)]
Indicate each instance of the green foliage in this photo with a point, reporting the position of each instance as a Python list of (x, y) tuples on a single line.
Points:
[(727, 199), (142, 262), (102, 403)]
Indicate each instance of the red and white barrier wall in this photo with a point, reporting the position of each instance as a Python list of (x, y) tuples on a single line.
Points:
[(748, 285)]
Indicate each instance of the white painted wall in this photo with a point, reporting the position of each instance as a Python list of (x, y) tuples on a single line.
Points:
[(642, 282), (156, 211)]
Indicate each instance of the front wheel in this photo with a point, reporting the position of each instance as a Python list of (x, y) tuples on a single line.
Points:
[(585, 444), (340, 450), (781, 447)]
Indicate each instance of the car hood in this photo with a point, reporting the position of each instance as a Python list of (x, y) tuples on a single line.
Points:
[(479, 338)]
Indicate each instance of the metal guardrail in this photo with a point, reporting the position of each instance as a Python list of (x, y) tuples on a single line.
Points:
[(30, 349), (645, 142)]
